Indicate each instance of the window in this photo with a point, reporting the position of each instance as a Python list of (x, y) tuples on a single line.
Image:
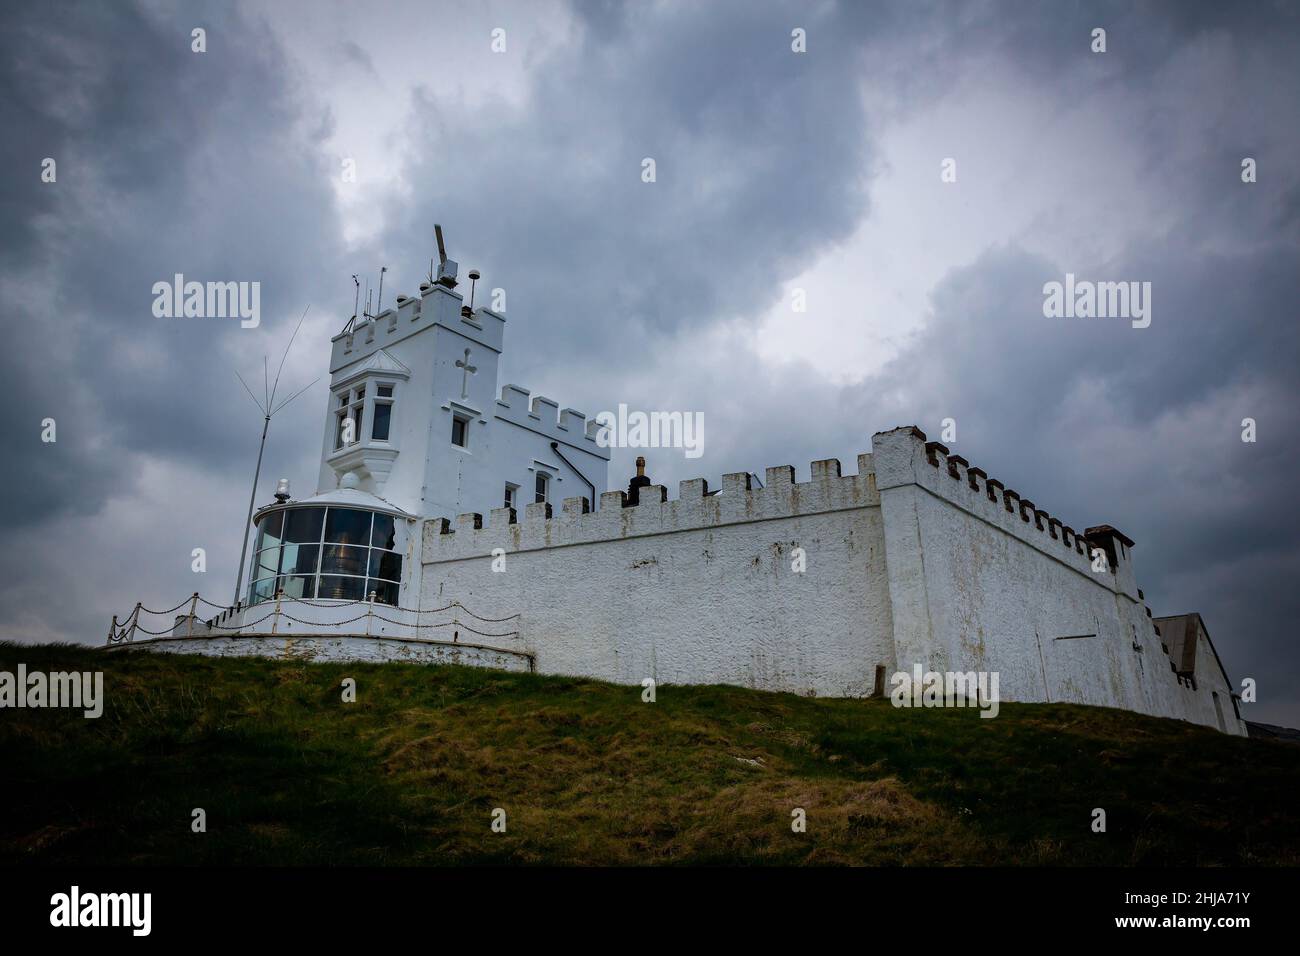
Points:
[(460, 431), (348, 526), (334, 588), (341, 559), (351, 408), (383, 413), (300, 559), (384, 534), (512, 495), (543, 486), (302, 525), (268, 532), (333, 553)]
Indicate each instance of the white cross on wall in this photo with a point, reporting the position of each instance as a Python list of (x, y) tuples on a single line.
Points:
[(468, 371)]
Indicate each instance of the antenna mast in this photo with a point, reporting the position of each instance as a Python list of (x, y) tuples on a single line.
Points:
[(356, 304), (446, 267), (268, 408)]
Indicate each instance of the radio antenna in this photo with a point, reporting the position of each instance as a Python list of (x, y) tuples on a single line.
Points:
[(356, 304), (268, 408)]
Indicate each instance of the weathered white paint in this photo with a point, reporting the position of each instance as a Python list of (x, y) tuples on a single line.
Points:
[(697, 590), (981, 579), (335, 648), (1207, 679), (917, 559)]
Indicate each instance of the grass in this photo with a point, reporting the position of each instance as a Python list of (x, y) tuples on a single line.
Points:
[(589, 774)]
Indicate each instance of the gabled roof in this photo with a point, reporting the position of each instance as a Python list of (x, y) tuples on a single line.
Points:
[(1179, 633), (380, 362)]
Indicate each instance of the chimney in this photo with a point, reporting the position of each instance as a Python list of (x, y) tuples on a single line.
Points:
[(637, 483)]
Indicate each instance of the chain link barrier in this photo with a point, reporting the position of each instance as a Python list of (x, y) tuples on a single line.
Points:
[(124, 633)]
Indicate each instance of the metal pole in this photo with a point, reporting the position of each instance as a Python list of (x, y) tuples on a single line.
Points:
[(194, 606), (248, 522)]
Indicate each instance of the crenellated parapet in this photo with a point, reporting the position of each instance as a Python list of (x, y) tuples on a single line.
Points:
[(739, 501), (541, 414), (904, 456), (435, 305)]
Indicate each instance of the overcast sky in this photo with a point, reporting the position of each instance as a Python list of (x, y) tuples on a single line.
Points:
[(776, 172)]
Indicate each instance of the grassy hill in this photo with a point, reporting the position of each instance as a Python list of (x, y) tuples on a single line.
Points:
[(587, 773)]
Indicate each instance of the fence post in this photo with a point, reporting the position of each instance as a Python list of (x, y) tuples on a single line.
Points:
[(275, 621), (370, 611), (194, 606), (135, 621), (112, 631)]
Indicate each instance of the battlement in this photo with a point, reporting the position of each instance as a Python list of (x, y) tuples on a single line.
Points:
[(905, 456), (435, 305), (694, 508), (543, 415)]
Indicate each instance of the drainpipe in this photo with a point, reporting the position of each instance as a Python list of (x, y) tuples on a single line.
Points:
[(555, 447)]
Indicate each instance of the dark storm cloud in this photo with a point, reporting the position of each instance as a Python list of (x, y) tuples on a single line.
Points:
[(1141, 428), (353, 53), (1098, 422), (169, 161), (760, 159), (1095, 420), (211, 165)]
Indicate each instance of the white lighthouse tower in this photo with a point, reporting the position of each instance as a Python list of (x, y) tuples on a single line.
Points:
[(416, 427)]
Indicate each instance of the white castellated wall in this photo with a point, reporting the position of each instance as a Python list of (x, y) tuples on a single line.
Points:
[(696, 590), (919, 558), (997, 583)]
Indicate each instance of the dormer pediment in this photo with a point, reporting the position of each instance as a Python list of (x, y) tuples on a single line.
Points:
[(378, 363)]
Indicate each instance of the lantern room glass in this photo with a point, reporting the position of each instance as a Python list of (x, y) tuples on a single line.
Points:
[(328, 553)]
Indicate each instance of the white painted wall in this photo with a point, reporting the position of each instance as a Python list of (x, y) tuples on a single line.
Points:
[(975, 586), (1209, 678), (416, 347), (320, 649), (696, 590)]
